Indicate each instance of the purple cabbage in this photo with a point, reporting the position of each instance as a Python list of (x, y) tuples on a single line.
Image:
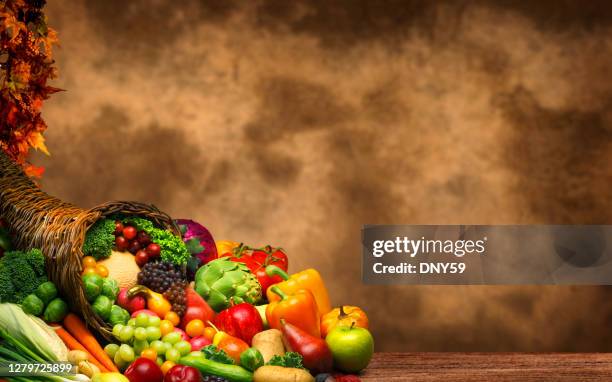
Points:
[(199, 242)]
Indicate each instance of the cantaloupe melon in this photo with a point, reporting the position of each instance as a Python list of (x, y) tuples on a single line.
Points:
[(122, 267)]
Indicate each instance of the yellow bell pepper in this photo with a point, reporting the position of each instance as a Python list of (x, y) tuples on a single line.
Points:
[(309, 279)]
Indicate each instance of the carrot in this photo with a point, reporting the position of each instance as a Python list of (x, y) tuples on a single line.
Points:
[(73, 344), (77, 328)]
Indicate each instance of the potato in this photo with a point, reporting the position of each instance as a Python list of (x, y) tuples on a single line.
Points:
[(269, 343), (76, 356), (281, 374), (88, 369)]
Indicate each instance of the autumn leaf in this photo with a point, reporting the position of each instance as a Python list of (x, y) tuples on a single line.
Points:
[(27, 64), (37, 142), (34, 171)]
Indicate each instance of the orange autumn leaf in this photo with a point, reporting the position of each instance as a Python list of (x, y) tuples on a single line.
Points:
[(37, 142), (34, 171)]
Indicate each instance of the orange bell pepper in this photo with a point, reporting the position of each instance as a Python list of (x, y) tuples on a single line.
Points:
[(299, 309), (343, 316), (309, 279)]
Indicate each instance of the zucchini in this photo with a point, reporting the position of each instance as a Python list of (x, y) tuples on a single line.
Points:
[(232, 373)]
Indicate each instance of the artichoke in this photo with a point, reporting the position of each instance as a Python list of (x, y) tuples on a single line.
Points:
[(222, 280)]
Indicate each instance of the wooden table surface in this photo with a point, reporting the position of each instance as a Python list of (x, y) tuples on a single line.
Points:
[(496, 367)]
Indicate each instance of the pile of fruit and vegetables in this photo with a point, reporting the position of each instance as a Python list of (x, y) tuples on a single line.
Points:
[(181, 309)]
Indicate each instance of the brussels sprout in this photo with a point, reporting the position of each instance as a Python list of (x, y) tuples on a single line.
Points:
[(32, 305), (46, 292), (56, 310), (118, 315), (251, 359), (102, 307), (93, 286), (110, 288)]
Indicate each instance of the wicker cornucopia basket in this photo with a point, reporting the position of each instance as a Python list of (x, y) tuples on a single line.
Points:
[(38, 220)]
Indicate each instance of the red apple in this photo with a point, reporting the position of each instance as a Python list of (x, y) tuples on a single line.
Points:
[(130, 304), (242, 321), (144, 370), (182, 373), (199, 342)]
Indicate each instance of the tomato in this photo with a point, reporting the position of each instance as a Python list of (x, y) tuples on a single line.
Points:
[(209, 333), (167, 366), (153, 250), (271, 256), (166, 327), (257, 259), (195, 328), (102, 270), (150, 354), (141, 258), (129, 232), (89, 271), (89, 261), (172, 317)]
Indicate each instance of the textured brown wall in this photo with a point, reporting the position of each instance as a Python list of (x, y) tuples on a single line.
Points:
[(295, 123)]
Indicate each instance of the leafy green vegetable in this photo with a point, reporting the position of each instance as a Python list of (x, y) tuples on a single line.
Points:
[(194, 246), (20, 274), (100, 239), (213, 353), (32, 305), (46, 292), (172, 247), (290, 359), (56, 310)]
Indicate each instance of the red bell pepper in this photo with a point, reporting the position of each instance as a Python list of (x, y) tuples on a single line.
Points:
[(257, 259), (242, 321)]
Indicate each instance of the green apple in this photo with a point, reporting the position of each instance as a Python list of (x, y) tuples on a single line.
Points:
[(352, 348)]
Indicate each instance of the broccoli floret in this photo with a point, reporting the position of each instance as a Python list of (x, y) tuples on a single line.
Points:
[(20, 274), (100, 239), (7, 290), (36, 259)]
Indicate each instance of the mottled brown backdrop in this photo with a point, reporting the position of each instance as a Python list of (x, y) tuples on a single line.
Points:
[(295, 123)]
